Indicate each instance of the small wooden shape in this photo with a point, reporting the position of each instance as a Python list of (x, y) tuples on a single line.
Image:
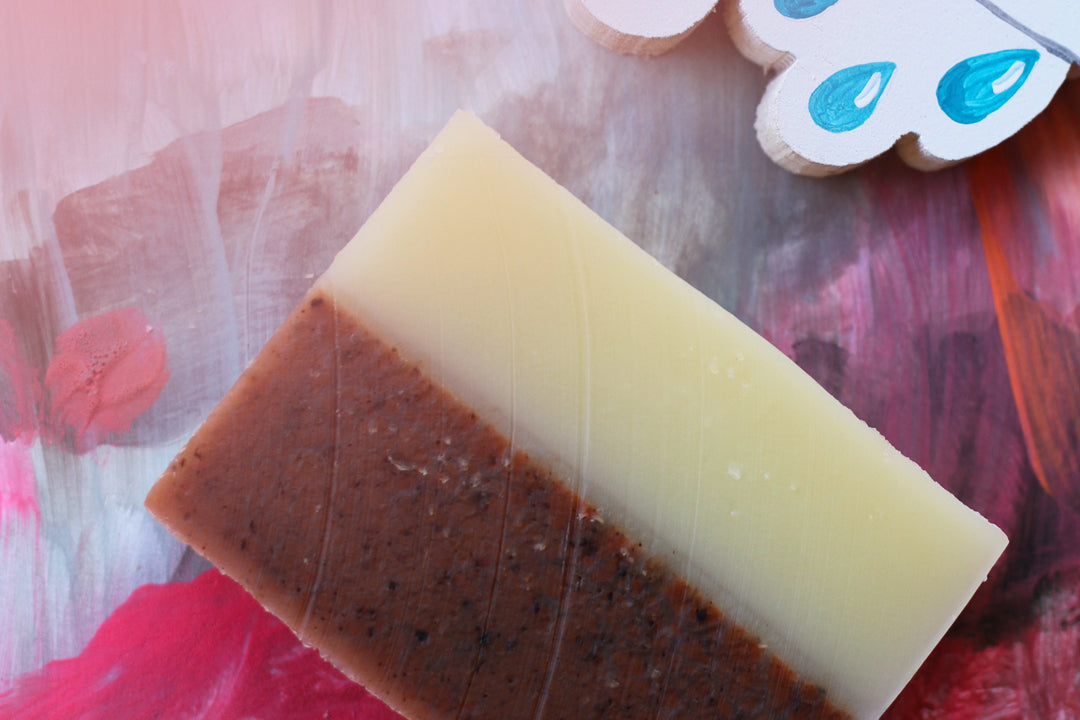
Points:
[(639, 27), (940, 80)]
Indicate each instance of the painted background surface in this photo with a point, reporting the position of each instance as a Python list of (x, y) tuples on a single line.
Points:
[(174, 174)]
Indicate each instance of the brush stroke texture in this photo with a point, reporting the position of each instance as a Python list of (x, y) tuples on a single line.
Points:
[(180, 158), (1026, 196), (203, 649)]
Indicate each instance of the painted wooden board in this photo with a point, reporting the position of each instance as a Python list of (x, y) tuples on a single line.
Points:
[(940, 80), (217, 155)]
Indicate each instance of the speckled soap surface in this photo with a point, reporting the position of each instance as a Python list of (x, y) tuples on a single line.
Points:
[(486, 347)]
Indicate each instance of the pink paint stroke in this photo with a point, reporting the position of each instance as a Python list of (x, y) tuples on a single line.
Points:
[(204, 650), (20, 389), (107, 370), (22, 556), (18, 489)]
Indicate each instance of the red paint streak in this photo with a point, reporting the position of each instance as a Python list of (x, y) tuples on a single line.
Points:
[(20, 389), (1030, 674), (107, 370), (204, 650), (18, 489), (1042, 350)]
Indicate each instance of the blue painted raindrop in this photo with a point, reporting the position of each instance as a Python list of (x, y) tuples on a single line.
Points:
[(847, 98), (801, 9), (978, 86)]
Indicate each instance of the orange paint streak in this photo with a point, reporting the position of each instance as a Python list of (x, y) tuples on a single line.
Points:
[(1010, 186)]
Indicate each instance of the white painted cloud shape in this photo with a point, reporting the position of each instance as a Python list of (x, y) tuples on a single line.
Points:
[(941, 80)]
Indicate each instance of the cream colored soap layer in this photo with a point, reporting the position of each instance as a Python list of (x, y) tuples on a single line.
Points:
[(678, 421)]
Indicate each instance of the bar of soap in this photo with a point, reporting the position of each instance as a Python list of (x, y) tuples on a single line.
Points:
[(501, 463)]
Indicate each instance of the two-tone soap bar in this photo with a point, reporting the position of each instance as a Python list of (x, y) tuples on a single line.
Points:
[(501, 463)]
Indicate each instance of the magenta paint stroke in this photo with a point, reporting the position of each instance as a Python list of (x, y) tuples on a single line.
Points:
[(18, 488), (106, 371), (203, 650)]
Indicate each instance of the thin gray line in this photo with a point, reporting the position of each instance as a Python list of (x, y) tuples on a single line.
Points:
[(1051, 45)]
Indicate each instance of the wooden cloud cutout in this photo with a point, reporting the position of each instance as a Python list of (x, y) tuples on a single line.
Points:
[(940, 80)]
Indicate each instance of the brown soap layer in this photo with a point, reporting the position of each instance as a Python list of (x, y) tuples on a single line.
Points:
[(451, 574)]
